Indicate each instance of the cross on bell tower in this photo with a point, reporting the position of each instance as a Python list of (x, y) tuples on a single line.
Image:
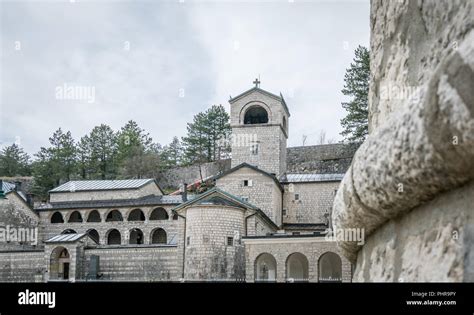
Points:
[(256, 82)]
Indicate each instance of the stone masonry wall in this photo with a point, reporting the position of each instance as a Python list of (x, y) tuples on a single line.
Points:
[(22, 266), (264, 192), (410, 184), (314, 204), (207, 254), (281, 248)]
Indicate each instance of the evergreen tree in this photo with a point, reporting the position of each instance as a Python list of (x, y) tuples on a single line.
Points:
[(103, 150), (355, 124), (171, 155), (130, 140), (203, 142), (14, 162)]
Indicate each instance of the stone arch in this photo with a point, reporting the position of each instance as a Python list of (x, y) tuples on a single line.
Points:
[(135, 236), (158, 236), (75, 217), (256, 114), (136, 215), (330, 267), (94, 235), (265, 268), (94, 216), (59, 264), (297, 268), (57, 217), (159, 214), (114, 237), (69, 231), (113, 216)]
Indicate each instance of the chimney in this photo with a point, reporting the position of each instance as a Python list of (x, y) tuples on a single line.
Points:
[(2, 195), (17, 186), (29, 200), (184, 193)]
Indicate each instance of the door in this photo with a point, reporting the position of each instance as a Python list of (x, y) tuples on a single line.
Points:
[(66, 271)]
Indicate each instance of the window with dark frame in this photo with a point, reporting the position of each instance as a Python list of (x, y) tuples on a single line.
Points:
[(297, 196), (230, 241)]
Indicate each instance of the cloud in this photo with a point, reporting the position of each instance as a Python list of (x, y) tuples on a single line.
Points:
[(207, 50)]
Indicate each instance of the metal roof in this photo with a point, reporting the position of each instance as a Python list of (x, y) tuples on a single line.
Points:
[(150, 200), (305, 178), (66, 238), (88, 185), (7, 187)]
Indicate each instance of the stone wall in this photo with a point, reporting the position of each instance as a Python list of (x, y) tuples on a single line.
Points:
[(264, 192), (314, 204), (410, 185), (124, 227), (22, 266), (208, 256), (154, 263), (175, 177), (282, 247)]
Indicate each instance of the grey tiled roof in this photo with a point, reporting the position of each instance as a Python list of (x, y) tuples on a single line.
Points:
[(7, 187), (150, 200), (88, 185), (308, 178)]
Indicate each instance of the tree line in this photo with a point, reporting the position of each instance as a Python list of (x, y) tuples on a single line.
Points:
[(124, 154)]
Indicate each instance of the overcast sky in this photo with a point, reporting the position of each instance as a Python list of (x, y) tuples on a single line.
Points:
[(159, 63)]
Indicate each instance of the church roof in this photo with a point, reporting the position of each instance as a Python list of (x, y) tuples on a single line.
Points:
[(235, 168), (90, 185), (66, 238), (257, 89), (216, 196)]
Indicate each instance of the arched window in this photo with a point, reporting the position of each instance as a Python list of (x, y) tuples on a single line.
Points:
[(297, 267), (75, 217), (69, 231), (158, 236), (57, 218), (330, 268), (94, 235), (256, 115), (114, 237), (265, 268), (159, 214), (114, 215), (175, 216), (94, 216), (136, 237), (136, 215)]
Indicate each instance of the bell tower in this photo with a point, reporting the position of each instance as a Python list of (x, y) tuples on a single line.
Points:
[(259, 121)]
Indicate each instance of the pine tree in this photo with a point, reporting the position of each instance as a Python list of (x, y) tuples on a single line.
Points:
[(103, 150), (203, 142), (355, 124), (14, 162)]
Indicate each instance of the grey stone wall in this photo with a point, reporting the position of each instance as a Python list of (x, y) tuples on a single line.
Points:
[(410, 183), (175, 177), (314, 204), (322, 159), (207, 254), (157, 263), (281, 248), (264, 192), (22, 266), (124, 227)]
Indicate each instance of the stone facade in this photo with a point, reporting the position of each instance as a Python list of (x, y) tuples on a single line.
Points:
[(410, 183), (314, 203)]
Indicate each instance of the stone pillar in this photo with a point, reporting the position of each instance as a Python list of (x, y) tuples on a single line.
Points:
[(411, 183)]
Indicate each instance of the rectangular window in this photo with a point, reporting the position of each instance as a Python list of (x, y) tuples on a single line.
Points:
[(230, 241), (297, 196), (188, 240), (246, 199), (254, 149), (283, 211), (248, 183)]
